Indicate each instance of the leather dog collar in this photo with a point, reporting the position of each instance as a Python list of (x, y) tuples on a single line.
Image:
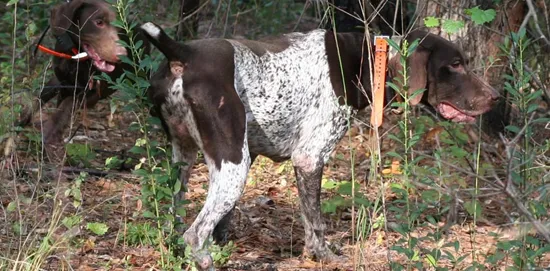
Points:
[(77, 56), (65, 42)]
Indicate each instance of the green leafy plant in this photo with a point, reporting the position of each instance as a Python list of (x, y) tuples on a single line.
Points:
[(344, 195), (448, 25), (97, 228), (158, 176), (80, 154), (480, 16), (477, 15), (415, 191), (221, 254), (523, 174), (71, 221), (74, 191), (140, 234)]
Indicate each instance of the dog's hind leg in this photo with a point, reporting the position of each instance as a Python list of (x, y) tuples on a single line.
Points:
[(309, 171), (319, 138), (54, 126), (221, 232), (46, 94)]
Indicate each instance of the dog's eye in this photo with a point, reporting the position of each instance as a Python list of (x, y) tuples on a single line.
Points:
[(455, 64), (99, 23)]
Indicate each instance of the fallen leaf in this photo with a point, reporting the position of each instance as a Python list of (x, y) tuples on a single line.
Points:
[(199, 190), (395, 167), (139, 205), (106, 186), (430, 137), (272, 191), (88, 245), (308, 264)]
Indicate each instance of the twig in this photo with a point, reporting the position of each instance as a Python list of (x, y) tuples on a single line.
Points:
[(199, 9), (467, 172), (90, 171), (533, 13), (510, 190)]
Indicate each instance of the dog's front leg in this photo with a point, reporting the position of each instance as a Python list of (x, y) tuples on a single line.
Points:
[(221, 232), (226, 186), (54, 126), (184, 150)]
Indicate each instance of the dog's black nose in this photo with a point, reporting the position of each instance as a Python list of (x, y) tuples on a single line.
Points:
[(494, 94), (490, 92)]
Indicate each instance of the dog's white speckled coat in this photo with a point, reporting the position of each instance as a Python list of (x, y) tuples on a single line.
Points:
[(288, 98)]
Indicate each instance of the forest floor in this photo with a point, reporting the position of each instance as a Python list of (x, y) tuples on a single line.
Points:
[(266, 227)]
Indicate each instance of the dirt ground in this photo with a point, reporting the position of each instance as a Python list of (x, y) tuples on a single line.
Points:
[(266, 227)]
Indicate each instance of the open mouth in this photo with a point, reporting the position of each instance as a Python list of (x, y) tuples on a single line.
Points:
[(99, 63), (452, 113)]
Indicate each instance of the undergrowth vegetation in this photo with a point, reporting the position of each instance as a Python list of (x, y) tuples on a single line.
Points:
[(435, 195)]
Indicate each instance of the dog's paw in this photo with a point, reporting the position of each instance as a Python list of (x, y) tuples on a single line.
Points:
[(326, 256), (332, 258), (204, 260), (51, 133)]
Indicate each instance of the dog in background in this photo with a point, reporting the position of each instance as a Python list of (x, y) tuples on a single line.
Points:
[(81, 26)]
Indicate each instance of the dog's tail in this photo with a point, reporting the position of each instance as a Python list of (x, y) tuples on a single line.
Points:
[(169, 47)]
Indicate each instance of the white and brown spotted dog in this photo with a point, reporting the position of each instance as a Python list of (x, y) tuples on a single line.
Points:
[(284, 99)]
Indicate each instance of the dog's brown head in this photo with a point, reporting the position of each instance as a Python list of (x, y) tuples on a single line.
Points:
[(440, 67), (88, 22)]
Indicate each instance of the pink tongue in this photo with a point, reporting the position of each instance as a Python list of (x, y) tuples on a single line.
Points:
[(451, 113), (99, 63), (104, 66)]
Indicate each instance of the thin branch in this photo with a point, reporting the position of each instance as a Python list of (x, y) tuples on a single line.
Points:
[(533, 13), (90, 171)]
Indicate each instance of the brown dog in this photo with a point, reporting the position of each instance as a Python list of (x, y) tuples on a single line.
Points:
[(81, 26)]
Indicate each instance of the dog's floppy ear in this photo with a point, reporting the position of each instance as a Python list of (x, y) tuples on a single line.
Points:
[(418, 61), (61, 19), (417, 71), (417, 64)]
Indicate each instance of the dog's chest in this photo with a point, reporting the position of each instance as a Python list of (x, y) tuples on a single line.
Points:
[(288, 95), (178, 114)]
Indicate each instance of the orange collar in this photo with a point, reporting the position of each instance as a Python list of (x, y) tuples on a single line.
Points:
[(380, 62), (77, 56)]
